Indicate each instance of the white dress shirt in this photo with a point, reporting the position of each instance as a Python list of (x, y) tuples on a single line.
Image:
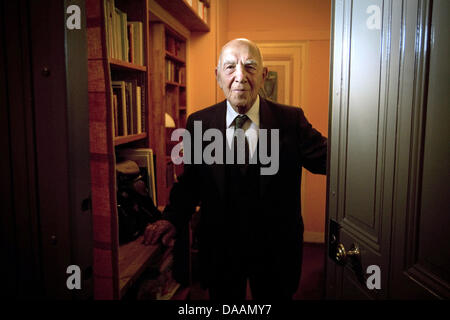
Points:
[(250, 127)]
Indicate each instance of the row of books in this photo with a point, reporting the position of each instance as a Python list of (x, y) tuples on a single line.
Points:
[(128, 108), (174, 46), (202, 10), (124, 38), (175, 72)]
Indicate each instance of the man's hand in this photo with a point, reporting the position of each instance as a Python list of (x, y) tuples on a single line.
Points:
[(160, 229)]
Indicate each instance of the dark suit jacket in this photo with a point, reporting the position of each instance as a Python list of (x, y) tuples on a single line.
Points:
[(279, 220)]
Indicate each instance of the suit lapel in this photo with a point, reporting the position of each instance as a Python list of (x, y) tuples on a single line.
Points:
[(268, 121), (218, 170)]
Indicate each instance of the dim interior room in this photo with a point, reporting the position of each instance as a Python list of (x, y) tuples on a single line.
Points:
[(94, 89), (90, 107)]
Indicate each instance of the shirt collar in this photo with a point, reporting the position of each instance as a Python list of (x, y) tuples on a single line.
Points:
[(253, 113)]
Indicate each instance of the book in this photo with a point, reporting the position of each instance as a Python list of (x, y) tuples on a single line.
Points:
[(139, 109), (181, 75), (131, 55), (116, 130), (109, 8), (205, 14), (130, 108), (170, 45), (123, 36), (116, 34), (135, 106), (119, 88), (143, 111), (200, 9), (138, 42), (120, 36)]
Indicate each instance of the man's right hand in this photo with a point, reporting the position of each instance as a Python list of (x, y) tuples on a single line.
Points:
[(161, 229)]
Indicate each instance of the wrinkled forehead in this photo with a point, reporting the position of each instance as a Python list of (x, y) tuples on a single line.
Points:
[(240, 51)]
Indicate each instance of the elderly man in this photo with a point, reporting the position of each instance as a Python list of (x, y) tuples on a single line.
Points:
[(251, 227)]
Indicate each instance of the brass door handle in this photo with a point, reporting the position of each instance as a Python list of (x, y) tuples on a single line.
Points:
[(341, 254)]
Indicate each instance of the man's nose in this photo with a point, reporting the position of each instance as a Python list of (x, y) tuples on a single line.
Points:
[(240, 74)]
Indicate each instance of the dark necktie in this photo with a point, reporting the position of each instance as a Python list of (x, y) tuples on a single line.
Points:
[(240, 120)]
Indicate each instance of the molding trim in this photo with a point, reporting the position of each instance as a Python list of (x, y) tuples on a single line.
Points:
[(295, 54)]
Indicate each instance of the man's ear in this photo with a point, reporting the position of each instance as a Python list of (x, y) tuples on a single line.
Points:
[(265, 72), (218, 78)]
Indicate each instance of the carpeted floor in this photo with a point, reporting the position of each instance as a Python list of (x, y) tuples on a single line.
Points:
[(312, 282)]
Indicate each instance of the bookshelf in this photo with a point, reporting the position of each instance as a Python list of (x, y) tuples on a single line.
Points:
[(168, 87), (119, 117), (116, 68), (194, 14)]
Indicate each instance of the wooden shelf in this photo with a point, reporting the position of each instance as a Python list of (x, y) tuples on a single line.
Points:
[(134, 257), (123, 65), (130, 138), (176, 84), (183, 12), (175, 58)]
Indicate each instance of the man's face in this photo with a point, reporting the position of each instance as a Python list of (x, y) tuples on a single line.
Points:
[(240, 74)]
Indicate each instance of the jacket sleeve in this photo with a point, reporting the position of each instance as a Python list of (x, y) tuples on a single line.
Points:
[(313, 146), (184, 195)]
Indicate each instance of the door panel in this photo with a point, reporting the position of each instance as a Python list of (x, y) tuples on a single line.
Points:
[(434, 247), (363, 112), (388, 151), (421, 255), (362, 117)]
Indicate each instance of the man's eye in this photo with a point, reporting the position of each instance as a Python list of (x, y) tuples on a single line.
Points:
[(229, 67)]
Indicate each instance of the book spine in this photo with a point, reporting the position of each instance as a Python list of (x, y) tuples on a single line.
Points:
[(129, 103), (117, 41), (124, 108), (139, 109), (143, 110), (130, 43), (136, 43), (124, 36), (134, 106), (117, 100), (115, 116), (141, 43)]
